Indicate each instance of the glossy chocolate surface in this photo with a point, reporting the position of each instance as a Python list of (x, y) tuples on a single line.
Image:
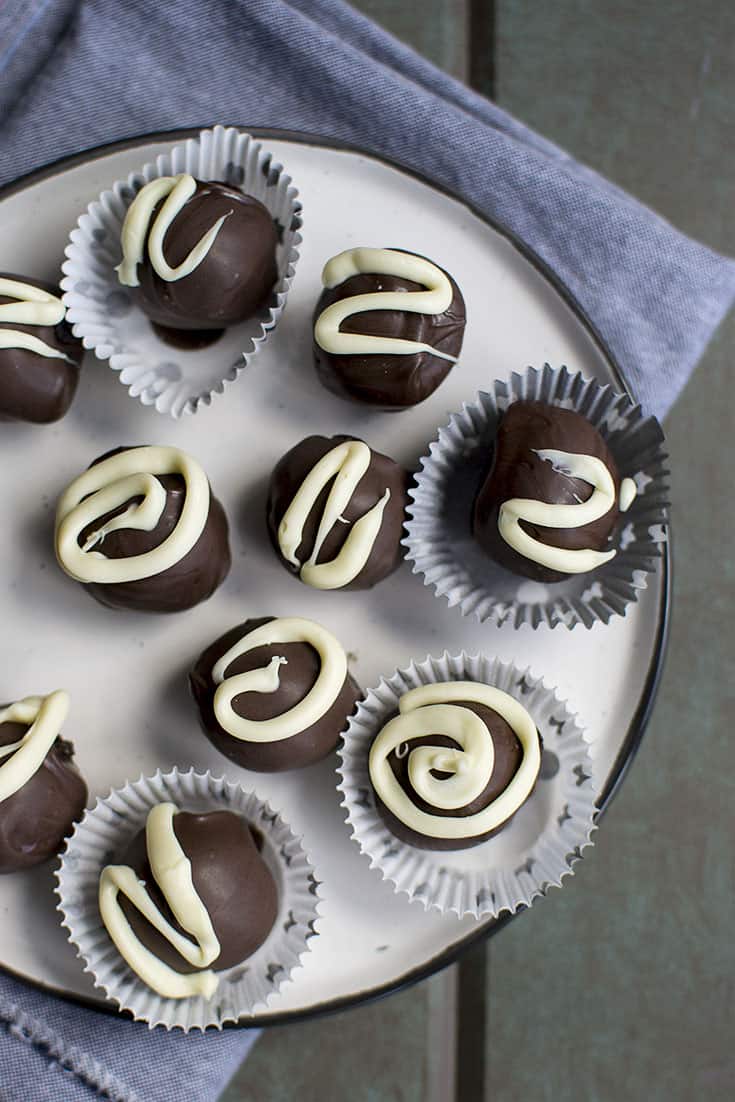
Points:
[(390, 382), (297, 678), (35, 820), (235, 278), (191, 580), (516, 471), (286, 480), (36, 388), (508, 757), (230, 877)]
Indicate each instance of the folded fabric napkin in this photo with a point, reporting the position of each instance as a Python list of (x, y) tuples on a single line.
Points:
[(74, 75), (51, 1051)]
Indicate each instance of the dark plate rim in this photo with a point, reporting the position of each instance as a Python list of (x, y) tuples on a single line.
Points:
[(642, 714)]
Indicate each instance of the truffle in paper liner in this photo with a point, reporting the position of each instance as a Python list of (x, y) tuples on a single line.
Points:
[(533, 852), (104, 833), (439, 538), (102, 312)]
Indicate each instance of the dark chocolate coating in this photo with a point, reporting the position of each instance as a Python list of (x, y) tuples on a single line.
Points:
[(516, 471), (286, 480), (230, 877), (390, 382), (38, 388), (35, 820), (191, 580), (234, 279), (296, 680), (508, 757)]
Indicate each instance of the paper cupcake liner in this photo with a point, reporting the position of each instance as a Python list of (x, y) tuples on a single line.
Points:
[(531, 854), (439, 540), (104, 832), (102, 312)]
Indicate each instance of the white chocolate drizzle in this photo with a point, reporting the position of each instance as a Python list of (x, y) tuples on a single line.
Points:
[(434, 710), (45, 716), (436, 299), (32, 306), (628, 494), (172, 872), (106, 487), (309, 710), (548, 515), (346, 464), (176, 191)]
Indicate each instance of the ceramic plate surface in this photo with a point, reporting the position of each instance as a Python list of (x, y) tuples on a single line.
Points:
[(126, 673)]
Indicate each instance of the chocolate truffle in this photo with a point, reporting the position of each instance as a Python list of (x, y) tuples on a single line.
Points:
[(274, 693), (39, 356), (387, 328), (199, 256), (41, 791), (335, 512), (219, 910), (454, 765), (552, 495), (141, 529)]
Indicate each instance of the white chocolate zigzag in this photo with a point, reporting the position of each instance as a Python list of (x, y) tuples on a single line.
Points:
[(547, 515), (346, 464), (176, 191), (32, 306), (172, 873), (45, 716), (436, 299)]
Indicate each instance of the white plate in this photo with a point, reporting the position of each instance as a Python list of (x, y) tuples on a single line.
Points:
[(126, 673)]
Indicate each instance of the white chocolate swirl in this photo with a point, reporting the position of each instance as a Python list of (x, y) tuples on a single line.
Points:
[(436, 299), (309, 710), (548, 515), (172, 873), (32, 306), (434, 710), (45, 716), (176, 191), (106, 487), (346, 464)]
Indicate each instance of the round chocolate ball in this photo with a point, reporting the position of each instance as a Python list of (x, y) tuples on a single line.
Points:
[(35, 820), (298, 674), (192, 579), (517, 471), (230, 877), (377, 378), (34, 386), (508, 757), (235, 278), (381, 551)]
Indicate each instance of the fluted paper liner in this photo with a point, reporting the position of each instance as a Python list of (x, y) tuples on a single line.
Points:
[(103, 834), (534, 852), (102, 312), (439, 538)]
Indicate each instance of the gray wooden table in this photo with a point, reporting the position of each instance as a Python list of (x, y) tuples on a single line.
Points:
[(621, 987)]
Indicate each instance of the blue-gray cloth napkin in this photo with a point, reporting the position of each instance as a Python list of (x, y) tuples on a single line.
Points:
[(51, 1051), (74, 75)]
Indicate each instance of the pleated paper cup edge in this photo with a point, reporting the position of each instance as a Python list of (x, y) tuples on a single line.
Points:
[(351, 781), (101, 344), (444, 452), (91, 959)]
